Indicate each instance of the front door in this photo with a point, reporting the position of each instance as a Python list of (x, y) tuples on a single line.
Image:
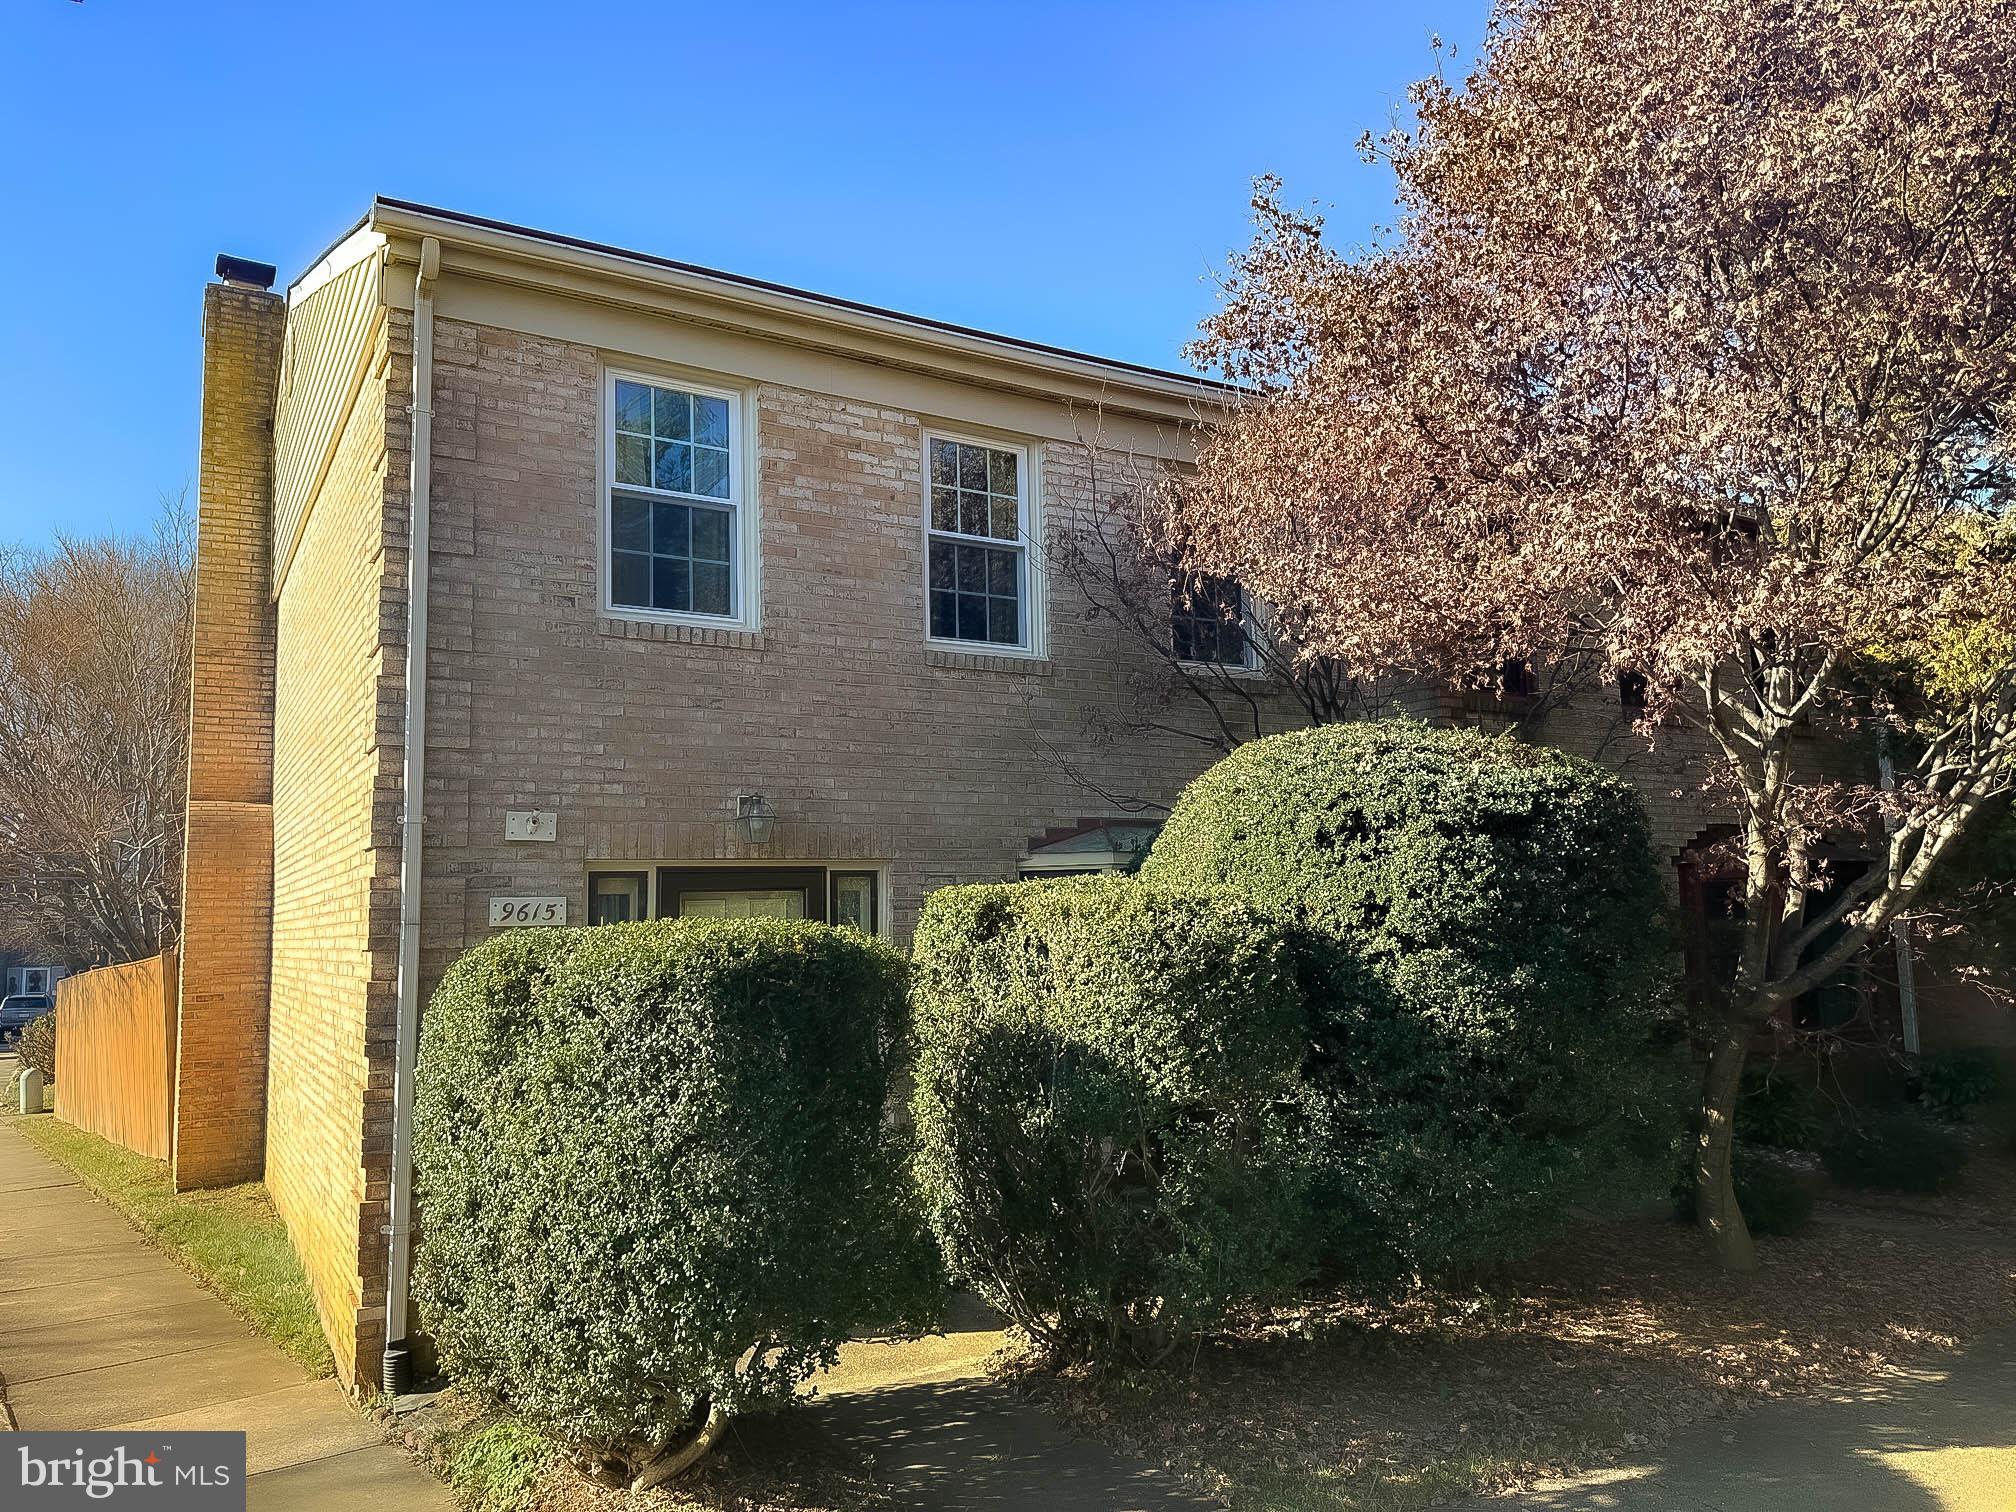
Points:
[(737, 892)]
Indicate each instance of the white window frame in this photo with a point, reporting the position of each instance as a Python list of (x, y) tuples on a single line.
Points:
[(1028, 532), (744, 574), (1251, 623)]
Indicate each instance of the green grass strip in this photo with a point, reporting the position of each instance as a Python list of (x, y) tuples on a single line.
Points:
[(231, 1238)]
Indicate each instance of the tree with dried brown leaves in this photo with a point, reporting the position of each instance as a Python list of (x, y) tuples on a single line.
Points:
[(1694, 351), (94, 724)]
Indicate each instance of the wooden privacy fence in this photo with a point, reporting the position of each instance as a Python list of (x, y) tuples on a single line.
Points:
[(115, 1052)]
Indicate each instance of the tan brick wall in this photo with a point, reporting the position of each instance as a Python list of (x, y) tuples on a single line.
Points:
[(335, 851), (220, 1061), (227, 867), (870, 745)]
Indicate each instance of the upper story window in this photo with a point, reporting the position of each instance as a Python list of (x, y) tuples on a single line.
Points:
[(977, 578), (679, 540), (1207, 618)]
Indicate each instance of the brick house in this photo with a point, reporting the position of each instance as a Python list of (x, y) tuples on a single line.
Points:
[(729, 599), (699, 637)]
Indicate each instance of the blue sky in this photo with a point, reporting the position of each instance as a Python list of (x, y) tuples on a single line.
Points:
[(1070, 173)]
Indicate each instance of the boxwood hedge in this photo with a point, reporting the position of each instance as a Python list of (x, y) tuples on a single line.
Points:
[(1112, 1145), (1484, 937), (656, 1179)]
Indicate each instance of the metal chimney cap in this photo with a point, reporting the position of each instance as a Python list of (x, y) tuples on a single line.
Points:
[(245, 272)]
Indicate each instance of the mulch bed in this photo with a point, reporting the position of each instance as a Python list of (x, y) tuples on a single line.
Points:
[(1600, 1348)]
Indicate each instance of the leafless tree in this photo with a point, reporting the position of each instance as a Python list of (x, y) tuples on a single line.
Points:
[(94, 718)]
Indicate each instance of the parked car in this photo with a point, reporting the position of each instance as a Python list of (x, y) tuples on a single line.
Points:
[(20, 1010)]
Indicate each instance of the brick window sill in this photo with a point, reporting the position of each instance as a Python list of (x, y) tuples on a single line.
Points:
[(971, 661), (614, 628)]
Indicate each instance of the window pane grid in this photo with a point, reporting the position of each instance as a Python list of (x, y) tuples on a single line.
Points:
[(666, 554), (975, 567), (672, 441), (978, 540), (670, 556), (975, 491), (976, 593)]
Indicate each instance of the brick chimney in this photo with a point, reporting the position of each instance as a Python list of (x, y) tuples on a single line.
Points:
[(227, 878)]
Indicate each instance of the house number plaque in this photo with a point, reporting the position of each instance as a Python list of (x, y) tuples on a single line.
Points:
[(514, 913)]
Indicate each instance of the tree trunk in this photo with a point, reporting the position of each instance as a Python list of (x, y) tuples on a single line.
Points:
[(1714, 1170), (685, 1456)]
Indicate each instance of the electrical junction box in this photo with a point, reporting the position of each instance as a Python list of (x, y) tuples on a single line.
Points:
[(531, 824)]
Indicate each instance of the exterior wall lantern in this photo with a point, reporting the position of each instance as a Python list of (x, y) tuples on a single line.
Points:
[(755, 820)]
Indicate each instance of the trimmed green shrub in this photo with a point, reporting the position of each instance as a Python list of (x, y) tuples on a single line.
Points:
[(1898, 1152), (1952, 1081), (37, 1045), (1111, 1139), (1483, 932), (656, 1179), (1778, 1110)]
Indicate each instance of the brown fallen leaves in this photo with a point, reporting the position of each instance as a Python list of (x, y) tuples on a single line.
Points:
[(1600, 1348)]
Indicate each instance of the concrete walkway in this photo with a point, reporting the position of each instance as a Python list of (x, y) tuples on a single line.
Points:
[(1938, 1438), (98, 1329)]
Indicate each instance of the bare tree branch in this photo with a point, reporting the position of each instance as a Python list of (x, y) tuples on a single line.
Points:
[(94, 699)]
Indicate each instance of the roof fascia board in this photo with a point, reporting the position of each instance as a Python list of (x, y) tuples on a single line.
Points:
[(485, 252)]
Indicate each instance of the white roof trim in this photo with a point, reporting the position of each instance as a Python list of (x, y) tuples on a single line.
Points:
[(346, 254), (521, 244)]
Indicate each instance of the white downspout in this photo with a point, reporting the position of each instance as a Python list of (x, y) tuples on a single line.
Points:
[(412, 810)]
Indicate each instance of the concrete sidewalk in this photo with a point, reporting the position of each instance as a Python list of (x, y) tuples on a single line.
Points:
[(1936, 1438), (99, 1329)]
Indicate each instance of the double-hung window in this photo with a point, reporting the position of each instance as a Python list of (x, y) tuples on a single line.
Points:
[(678, 539), (1208, 622), (977, 576)]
